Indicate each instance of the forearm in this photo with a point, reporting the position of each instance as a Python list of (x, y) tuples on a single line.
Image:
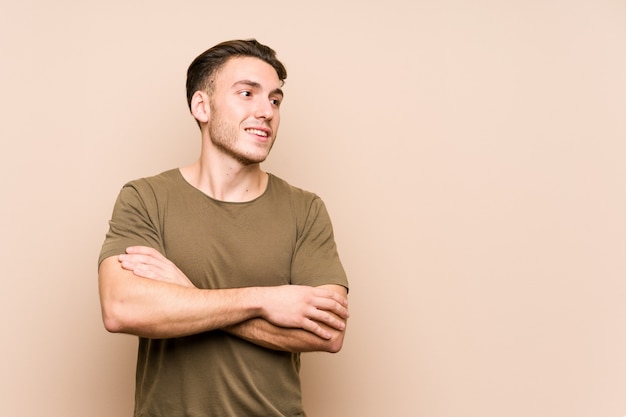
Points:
[(145, 294), (265, 334), (155, 309)]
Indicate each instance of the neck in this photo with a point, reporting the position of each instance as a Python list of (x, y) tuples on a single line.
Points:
[(224, 179)]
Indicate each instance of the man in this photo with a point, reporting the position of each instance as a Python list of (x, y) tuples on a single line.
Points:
[(225, 272)]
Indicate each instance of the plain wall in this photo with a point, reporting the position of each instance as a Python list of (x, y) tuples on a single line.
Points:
[(471, 154)]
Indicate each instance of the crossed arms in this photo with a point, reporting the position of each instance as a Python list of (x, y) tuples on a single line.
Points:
[(145, 294)]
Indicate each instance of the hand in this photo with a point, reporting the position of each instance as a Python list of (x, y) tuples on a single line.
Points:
[(149, 263), (304, 307), (290, 306)]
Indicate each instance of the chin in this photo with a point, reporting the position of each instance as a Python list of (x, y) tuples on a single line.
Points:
[(251, 159)]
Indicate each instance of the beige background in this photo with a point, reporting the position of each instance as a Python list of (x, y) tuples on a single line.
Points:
[(471, 154)]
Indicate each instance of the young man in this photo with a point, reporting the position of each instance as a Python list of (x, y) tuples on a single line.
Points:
[(225, 272)]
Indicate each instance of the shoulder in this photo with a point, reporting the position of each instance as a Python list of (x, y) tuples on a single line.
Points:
[(281, 187), (149, 191), (156, 184), (164, 179), (307, 206)]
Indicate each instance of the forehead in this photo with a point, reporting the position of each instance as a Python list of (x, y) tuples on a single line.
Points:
[(247, 69)]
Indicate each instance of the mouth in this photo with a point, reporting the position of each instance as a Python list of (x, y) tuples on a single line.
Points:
[(258, 132)]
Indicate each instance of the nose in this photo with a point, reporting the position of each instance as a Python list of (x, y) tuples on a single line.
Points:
[(264, 109)]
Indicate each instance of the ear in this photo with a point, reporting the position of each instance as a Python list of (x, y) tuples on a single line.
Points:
[(200, 107)]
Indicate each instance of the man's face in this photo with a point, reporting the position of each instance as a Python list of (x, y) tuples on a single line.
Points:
[(244, 109)]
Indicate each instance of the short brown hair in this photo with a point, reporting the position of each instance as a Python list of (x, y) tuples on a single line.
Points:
[(202, 70)]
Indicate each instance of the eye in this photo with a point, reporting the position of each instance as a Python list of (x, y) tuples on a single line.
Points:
[(246, 93), (275, 102)]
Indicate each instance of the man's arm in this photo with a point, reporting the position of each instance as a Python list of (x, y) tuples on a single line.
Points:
[(266, 334), (166, 304)]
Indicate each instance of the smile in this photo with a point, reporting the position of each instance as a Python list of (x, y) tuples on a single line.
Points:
[(257, 132)]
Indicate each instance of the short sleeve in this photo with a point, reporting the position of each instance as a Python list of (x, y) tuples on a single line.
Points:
[(316, 260), (134, 222)]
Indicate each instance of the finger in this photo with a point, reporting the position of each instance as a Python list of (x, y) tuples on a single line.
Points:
[(127, 265), (144, 250), (141, 266), (143, 272), (332, 306), (316, 329), (330, 320), (332, 295), (143, 259)]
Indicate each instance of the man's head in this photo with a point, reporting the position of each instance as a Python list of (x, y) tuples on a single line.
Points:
[(234, 93), (202, 71)]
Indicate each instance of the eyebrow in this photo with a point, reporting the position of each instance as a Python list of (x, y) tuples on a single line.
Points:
[(255, 84)]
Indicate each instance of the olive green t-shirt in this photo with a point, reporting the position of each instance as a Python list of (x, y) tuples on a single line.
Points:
[(282, 237)]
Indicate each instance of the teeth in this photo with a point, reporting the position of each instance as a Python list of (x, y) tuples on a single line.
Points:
[(257, 132)]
